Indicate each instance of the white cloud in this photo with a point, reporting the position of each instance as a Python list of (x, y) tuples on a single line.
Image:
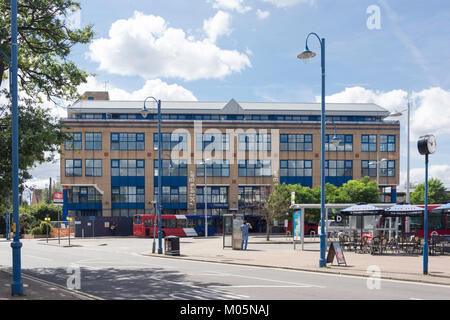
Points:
[(144, 45), (288, 3), (237, 5), (262, 14), (417, 175), (217, 25), (156, 88)]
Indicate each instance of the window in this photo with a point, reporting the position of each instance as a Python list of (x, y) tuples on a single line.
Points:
[(175, 168), (387, 168), (127, 168), (369, 142), (254, 168), (207, 141), (73, 168), (127, 141), (216, 168), (338, 168), (171, 141), (74, 141), (387, 143), (171, 194), (127, 194), (254, 142), (345, 143), (295, 168), (216, 195), (368, 168), (93, 140), (295, 142), (83, 195), (250, 196), (93, 168)]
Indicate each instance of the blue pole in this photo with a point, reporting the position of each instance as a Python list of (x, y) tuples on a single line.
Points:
[(425, 224), (322, 261), (160, 169), (17, 285)]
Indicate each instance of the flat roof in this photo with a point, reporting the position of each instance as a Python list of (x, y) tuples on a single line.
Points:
[(231, 107)]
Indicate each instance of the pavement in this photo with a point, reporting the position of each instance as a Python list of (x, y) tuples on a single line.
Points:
[(280, 253)]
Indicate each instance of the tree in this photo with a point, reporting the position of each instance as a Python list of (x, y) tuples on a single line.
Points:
[(40, 135), (277, 204), (45, 40), (363, 190), (436, 192)]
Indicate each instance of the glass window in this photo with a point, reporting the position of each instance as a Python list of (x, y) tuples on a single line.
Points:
[(369, 143), (368, 168), (74, 141), (127, 168), (127, 141), (254, 142), (93, 141), (255, 168), (295, 142), (345, 142), (338, 168), (171, 141), (93, 168), (387, 143), (73, 168), (387, 168)]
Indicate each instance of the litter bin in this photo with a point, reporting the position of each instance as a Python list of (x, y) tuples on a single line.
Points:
[(172, 246)]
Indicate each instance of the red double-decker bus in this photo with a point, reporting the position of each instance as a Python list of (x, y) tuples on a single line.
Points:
[(146, 225), (438, 222)]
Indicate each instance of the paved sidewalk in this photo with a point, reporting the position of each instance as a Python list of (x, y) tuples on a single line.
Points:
[(280, 253), (35, 289)]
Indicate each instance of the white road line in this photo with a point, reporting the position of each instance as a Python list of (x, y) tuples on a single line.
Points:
[(258, 286)]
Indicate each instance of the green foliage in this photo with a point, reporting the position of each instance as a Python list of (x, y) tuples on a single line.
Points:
[(436, 192), (363, 190), (45, 40), (40, 135)]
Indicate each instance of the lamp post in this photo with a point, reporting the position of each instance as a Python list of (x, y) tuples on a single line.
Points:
[(378, 164), (308, 54), (205, 195), (16, 245), (144, 112), (426, 145), (397, 114)]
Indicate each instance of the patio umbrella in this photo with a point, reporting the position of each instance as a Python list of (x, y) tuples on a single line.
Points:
[(443, 208), (362, 209), (403, 210)]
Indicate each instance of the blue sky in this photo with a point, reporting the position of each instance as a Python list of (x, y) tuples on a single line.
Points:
[(246, 50)]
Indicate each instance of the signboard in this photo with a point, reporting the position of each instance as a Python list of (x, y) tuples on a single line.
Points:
[(58, 198), (92, 218), (297, 224), (293, 197), (106, 224), (335, 250)]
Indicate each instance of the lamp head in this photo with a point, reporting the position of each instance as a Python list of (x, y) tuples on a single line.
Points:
[(335, 141), (144, 112), (306, 55)]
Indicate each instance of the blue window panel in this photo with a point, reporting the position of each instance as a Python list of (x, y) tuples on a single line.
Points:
[(127, 141), (74, 141), (337, 181), (387, 168), (295, 142), (387, 143), (369, 143), (345, 144), (93, 167), (338, 172), (255, 142), (93, 140), (170, 181), (295, 168), (216, 168), (171, 141), (217, 197), (254, 168), (171, 168), (368, 168), (73, 167)]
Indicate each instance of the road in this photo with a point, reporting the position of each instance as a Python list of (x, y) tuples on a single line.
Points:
[(116, 269)]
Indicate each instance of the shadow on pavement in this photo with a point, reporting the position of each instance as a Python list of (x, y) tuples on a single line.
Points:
[(135, 284)]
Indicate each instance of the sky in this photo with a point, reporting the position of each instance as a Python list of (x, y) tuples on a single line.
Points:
[(215, 50)]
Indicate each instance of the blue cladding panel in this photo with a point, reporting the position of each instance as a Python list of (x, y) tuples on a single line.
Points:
[(171, 181), (128, 181), (174, 205), (337, 181), (304, 181)]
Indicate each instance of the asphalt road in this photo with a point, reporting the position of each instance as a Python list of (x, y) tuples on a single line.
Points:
[(117, 270)]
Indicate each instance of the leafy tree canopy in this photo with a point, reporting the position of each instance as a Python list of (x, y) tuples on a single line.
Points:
[(45, 40), (436, 192)]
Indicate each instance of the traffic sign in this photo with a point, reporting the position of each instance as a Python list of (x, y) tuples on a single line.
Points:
[(58, 198)]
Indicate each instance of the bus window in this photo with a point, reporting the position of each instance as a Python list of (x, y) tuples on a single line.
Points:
[(181, 223), (416, 223), (137, 219), (171, 223), (200, 222), (147, 222), (163, 223), (448, 221), (435, 221), (190, 223), (210, 222)]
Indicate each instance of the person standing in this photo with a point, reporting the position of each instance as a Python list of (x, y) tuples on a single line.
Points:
[(244, 229)]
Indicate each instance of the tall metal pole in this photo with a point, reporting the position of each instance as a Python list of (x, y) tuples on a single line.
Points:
[(407, 220), (159, 179), (322, 261), (206, 203), (17, 284), (425, 224)]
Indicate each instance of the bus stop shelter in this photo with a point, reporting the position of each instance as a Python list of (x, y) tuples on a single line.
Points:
[(299, 219)]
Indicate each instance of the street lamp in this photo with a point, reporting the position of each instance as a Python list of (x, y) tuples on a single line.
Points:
[(378, 164), (305, 56), (335, 140), (17, 284), (144, 112), (397, 114), (205, 195)]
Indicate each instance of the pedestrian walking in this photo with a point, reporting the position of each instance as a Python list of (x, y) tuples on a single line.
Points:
[(244, 229)]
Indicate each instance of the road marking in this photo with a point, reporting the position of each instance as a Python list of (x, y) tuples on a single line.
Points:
[(259, 286)]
